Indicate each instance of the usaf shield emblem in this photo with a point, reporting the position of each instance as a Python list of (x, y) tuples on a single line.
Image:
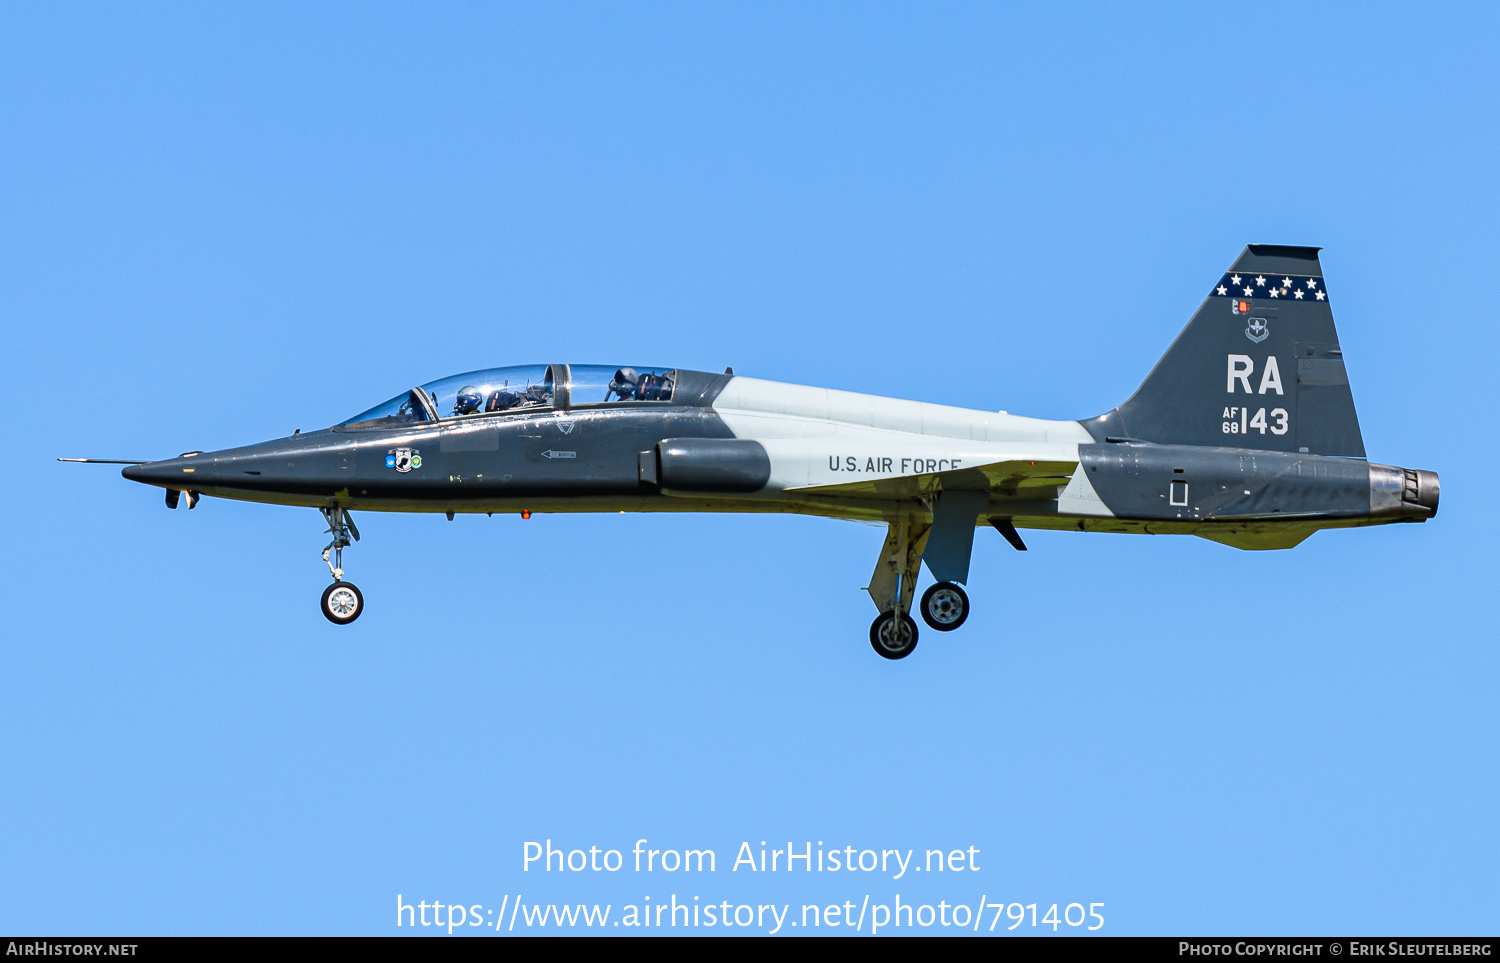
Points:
[(403, 459), (1258, 330)]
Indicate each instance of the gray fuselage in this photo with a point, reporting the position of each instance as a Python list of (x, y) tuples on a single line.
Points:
[(727, 443)]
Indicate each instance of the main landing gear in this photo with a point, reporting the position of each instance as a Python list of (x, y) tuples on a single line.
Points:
[(893, 636), (944, 545), (945, 606), (342, 601)]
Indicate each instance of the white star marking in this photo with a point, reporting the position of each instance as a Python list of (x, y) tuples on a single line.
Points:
[(1260, 282), (1286, 282), (1273, 292), (1298, 294), (1235, 280), (1312, 283), (1319, 295), (1247, 292), (1222, 290)]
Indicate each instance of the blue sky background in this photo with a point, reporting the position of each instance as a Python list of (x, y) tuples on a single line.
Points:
[(221, 224)]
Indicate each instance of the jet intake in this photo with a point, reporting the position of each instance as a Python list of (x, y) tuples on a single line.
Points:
[(1403, 492), (706, 465)]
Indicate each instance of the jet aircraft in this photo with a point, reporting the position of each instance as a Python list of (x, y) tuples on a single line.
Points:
[(1244, 433)]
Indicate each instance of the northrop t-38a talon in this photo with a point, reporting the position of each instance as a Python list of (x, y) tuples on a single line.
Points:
[(1243, 433)]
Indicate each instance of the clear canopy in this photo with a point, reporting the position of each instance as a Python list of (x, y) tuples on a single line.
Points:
[(515, 389), (404, 409), (494, 389), (597, 384)]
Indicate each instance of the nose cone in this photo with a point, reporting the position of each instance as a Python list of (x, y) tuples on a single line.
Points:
[(171, 473), (312, 465)]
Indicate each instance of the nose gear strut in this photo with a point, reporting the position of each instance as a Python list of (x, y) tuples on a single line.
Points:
[(342, 601), (340, 526)]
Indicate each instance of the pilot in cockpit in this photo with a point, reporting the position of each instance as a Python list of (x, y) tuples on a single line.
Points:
[(624, 384), (468, 401)]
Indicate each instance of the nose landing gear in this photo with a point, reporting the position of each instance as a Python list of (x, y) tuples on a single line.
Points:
[(342, 602)]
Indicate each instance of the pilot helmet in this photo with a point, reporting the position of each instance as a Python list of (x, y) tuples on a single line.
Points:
[(469, 400), (625, 383)]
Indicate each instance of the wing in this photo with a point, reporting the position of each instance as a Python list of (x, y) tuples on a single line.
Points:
[(1024, 479)]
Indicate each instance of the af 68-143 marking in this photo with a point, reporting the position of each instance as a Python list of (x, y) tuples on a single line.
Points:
[(1239, 421)]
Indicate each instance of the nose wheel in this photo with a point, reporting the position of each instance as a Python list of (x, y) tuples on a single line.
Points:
[(945, 606), (342, 601)]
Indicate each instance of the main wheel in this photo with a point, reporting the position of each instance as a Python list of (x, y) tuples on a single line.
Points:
[(342, 603), (945, 606), (892, 638)]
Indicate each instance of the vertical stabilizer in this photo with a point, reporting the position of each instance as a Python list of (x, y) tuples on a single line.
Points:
[(1258, 366)]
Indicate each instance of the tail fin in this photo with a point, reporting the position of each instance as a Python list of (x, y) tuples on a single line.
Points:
[(1259, 366)]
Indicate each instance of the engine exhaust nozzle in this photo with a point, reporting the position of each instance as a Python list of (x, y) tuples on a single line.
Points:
[(1406, 492)]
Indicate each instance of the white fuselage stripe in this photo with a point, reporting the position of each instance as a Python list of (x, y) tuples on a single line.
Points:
[(820, 436)]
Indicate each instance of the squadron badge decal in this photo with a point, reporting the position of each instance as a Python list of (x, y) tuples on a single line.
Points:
[(1258, 330), (403, 459)]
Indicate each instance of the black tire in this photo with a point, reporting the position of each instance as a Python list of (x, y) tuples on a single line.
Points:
[(342, 603), (945, 606), (888, 644)]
